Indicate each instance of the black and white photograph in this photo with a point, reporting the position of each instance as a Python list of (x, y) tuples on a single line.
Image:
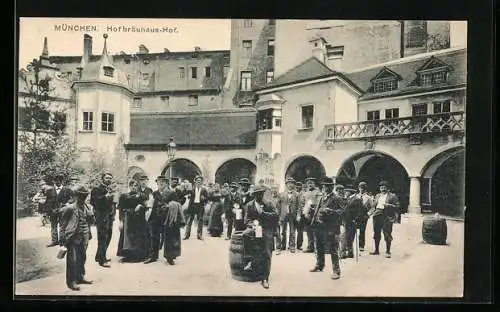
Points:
[(240, 157)]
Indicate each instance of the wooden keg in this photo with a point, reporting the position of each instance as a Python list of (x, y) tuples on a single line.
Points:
[(238, 259), (434, 230)]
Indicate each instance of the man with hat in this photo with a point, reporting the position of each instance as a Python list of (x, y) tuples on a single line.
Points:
[(386, 206), (326, 219), (63, 195), (156, 218), (199, 198), (75, 235), (288, 208), (230, 200), (244, 197), (353, 209), (260, 215), (101, 198), (362, 220), (310, 199)]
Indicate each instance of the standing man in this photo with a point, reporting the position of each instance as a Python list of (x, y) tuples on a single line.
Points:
[(62, 195), (101, 198), (199, 197), (288, 208), (326, 220), (310, 200), (156, 219), (354, 206), (244, 197), (260, 214), (384, 215), (229, 201), (75, 235), (362, 219)]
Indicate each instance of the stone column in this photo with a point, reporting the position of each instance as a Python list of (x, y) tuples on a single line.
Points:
[(414, 205)]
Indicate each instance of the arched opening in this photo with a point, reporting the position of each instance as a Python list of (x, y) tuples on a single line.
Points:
[(373, 167), (443, 183), (235, 169), (135, 172), (182, 168), (306, 166)]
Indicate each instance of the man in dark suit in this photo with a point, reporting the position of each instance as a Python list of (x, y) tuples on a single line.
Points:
[(156, 218), (244, 197), (326, 219), (62, 195), (76, 219), (353, 209), (199, 198), (230, 199), (310, 199), (385, 213), (260, 214), (288, 207), (102, 199)]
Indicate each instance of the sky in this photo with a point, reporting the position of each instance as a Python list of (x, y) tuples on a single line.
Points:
[(174, 34)]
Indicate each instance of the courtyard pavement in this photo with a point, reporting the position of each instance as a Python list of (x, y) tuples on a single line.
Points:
[(416, 269)]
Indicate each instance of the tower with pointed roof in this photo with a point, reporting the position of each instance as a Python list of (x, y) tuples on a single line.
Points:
[(103, 99)]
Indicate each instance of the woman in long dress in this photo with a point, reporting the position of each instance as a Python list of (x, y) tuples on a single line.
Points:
[(133, 241), (174, 221), (215, 225)]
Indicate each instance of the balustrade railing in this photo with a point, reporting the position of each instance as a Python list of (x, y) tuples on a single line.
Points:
[(435, 123)]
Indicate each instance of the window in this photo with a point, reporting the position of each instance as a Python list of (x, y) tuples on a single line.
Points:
[(59, 121), (335, 52), (247, 48), (419, 109), (194, 72), (392, 113), (88, 121), (127, 61), (441, 107), (247, 23), (373, 115), (193, 100), (246, 81), (270, 47), (416, 35), (208, 71), (265, 119), (165, 99), (108, 71), (145, 76), (137, 103), (428, 79), (385, 86), (277, 122), (272, 22), (269, 75), (182, 72), (307, 116), (108, 122)]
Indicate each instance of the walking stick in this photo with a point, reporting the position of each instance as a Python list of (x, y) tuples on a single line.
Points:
[(356, 241)]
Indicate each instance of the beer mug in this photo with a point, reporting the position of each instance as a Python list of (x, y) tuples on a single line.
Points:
[(238, 212), (258, 231)]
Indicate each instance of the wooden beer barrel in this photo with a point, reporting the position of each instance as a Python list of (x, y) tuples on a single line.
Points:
[(434, 230), (238, 259)]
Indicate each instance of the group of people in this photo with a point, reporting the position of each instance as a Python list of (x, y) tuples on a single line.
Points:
[(151, 220)]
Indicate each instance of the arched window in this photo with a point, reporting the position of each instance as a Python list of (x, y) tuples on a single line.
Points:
[(416, 34)]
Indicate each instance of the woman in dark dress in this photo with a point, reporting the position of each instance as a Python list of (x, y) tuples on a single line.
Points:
[(133, 242), (215, 225), (174, 221)]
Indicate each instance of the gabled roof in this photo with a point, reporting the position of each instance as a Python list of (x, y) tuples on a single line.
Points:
[(309, 69), (433, 63), (192, 129), (386, 73), (407, 68)]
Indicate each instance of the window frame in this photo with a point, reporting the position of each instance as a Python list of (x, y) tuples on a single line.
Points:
[(441, 106), (208, 71), (414, 107), (391, 110), (377, 111), (109, 71), (194, 72), (108, 122), (182, 72), (411, 38), (247, 23), (247, 50), (165, 99), (137, 100), (385, 85), (271, 47), (249, 79), (91, 122), (302, 107), (190, 99), (269, 77)]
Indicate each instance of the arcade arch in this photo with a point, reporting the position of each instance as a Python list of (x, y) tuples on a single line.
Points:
[(235, 169), (305, 166), (182, 168)]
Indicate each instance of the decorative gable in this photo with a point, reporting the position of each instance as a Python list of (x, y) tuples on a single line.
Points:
[(433, 72), (432, 64), (385, 80)]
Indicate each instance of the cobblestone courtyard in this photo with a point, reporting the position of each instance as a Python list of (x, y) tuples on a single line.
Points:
[(415, 270)]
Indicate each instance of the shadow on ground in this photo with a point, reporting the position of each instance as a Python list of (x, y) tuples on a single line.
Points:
[(34, 260)]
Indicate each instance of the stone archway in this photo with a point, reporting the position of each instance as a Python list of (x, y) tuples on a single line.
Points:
[(182, 168), (373, 167), (305, 166), (442, 183), (235, 169)]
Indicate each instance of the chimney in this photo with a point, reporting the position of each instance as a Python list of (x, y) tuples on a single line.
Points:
[(319, 48), (143, 49), (197, 49), (87, 47)]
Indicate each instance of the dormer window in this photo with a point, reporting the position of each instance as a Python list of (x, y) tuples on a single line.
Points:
[(433, 72), (386, 80), (428, 79), (108, 71)]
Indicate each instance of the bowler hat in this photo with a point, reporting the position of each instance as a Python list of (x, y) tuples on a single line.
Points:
[(259, 189), (311, 179), (244, 181), (143, 177), (327, 181), (290, 180), (298, 183), (81, 190), (383, 183), (161, 178), (176, 179), (198, 177), (234, 184), (363, 185), (350, 189), (339, 187)]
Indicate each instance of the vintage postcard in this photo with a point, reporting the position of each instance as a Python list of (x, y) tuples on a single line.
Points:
[(243, 157)]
